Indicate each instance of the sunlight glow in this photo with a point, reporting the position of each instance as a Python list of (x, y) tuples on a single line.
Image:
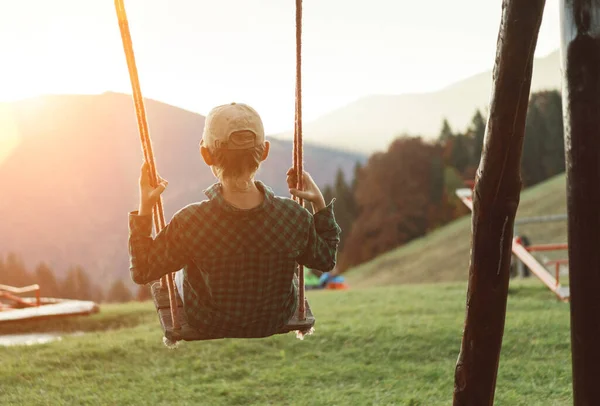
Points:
[(196, 54), (9, 137)]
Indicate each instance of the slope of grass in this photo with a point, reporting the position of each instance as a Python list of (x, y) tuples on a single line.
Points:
[(378, 346), (443, 255)]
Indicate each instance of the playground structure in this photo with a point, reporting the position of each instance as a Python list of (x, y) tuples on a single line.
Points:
[(15, 308), (547, 270)]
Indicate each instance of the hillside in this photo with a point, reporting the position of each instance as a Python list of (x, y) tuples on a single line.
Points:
[(382, 346), (443, 255), (371, 123), (70, 182)]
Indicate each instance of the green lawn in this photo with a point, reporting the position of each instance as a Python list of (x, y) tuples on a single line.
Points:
[(443, 255), (377, 346)]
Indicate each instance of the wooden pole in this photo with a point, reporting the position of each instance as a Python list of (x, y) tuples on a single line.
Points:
[(580, 21), (495, 201)]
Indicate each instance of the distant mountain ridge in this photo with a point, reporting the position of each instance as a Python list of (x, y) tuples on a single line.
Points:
[(72, 179), (372, 122)]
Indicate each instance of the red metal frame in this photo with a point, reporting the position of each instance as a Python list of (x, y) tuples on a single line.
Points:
[(524, 254), (557, 263), (547, 247)]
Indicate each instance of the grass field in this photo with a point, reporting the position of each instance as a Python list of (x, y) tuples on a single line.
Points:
[(376, 346), (443, 255)]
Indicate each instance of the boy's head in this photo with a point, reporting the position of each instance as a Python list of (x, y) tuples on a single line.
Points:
[(233, 142)]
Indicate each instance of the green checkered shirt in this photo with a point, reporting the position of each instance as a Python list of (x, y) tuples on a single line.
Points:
[(239, 265)]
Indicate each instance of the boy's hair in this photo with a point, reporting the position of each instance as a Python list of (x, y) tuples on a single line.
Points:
[(234, 163)]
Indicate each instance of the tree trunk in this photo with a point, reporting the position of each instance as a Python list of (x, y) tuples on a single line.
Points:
[(581, 106), (495, 202)]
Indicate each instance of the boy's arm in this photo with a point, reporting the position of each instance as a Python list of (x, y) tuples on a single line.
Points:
[(323, 239), (150, 259)]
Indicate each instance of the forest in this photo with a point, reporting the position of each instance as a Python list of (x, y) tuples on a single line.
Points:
[(408, 191), (75, 285)]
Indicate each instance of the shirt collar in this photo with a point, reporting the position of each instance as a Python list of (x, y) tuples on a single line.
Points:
[(215, 194)]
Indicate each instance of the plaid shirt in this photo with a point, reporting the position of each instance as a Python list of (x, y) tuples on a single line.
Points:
[(239, 265)]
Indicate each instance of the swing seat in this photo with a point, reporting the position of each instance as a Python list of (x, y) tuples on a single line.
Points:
[(188, 333)]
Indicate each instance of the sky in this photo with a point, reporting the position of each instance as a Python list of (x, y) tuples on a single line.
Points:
[(196, 54)]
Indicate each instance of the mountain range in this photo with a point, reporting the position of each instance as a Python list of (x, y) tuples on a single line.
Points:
[(72, 178), (370, 124)]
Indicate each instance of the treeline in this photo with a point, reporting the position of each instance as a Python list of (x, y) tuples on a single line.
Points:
[(75, 285), (409, 190)]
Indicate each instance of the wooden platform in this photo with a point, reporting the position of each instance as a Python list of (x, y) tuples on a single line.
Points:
[(188, 333), (50, 308)]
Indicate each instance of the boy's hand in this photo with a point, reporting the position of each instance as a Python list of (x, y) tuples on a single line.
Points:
[(149, 195), (311, 191)]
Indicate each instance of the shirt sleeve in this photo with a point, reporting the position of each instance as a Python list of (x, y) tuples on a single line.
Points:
[(152, 258), (323, 240)]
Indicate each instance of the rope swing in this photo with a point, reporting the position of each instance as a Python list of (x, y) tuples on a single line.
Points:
[(168, 305)]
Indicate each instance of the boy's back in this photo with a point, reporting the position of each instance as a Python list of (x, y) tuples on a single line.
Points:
[(238, 266)]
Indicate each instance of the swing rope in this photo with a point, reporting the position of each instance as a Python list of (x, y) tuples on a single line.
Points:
[(297, 160), (158, 211)]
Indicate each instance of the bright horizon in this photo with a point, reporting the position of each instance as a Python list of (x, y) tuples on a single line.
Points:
[(197, 54)]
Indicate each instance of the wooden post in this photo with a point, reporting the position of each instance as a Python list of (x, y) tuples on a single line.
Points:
[(496, 198), (580, 20)]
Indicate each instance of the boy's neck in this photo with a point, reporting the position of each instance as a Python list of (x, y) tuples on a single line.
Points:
[(240, 196)]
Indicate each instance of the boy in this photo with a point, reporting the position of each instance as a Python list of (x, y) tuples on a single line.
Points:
[(237, 251)]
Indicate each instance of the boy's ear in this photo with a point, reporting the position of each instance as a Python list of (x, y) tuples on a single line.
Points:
[(266, 151), (206, 156)]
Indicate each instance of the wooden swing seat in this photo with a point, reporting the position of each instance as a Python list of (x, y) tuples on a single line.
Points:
[(188, 333)]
